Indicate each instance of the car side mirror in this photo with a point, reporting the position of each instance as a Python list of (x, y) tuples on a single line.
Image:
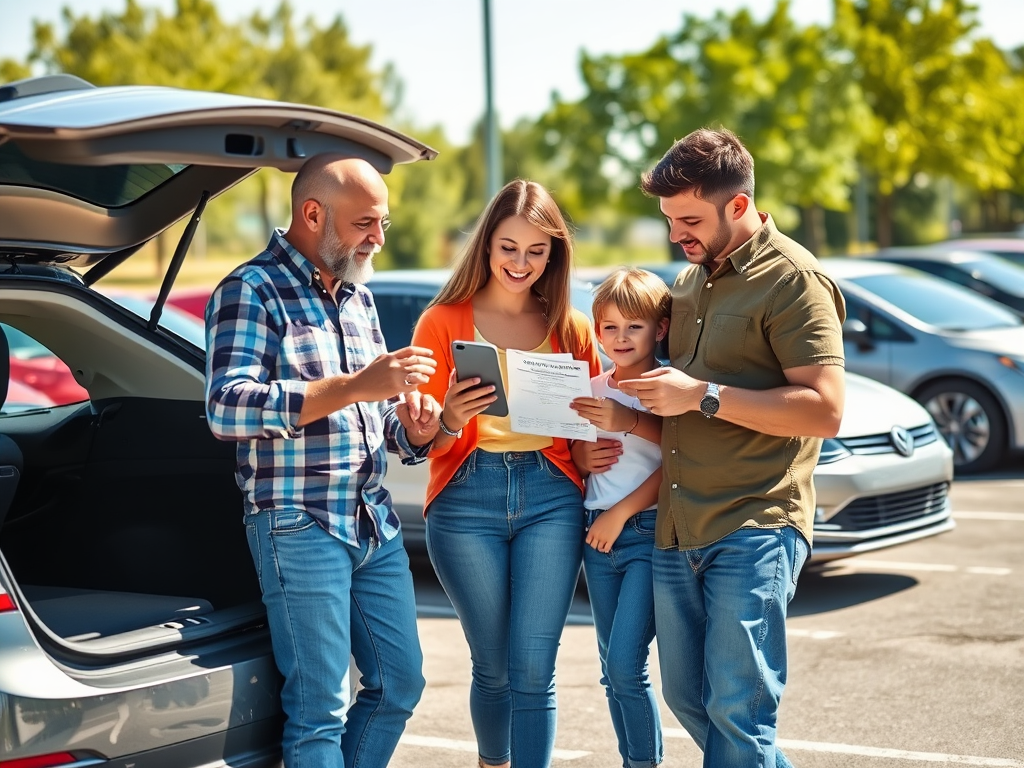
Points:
[(856, 332)]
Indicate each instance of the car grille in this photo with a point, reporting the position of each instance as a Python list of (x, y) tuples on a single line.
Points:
[(873, 444), (891, 508)]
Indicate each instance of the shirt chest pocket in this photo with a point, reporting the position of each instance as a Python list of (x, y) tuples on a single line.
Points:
[(310, 352), (724, 343)]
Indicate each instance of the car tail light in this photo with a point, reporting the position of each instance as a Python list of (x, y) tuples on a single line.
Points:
[(6, 604), (40, 761)]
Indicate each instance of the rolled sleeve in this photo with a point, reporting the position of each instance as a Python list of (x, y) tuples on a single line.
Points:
[(242, 400), (805, 326), (397, 439)]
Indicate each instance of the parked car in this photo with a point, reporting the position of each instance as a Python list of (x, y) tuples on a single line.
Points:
[(131, 625), (883, 481), (1011, 248), (985, 273), (958, 353)]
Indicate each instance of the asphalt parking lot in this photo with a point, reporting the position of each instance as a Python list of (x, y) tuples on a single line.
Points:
[(903, 659)]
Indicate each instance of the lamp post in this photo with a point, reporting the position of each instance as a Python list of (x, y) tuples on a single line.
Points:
[(492, 138)]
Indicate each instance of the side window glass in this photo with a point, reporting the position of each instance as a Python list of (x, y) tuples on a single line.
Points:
[(38, 378), (398, 316)]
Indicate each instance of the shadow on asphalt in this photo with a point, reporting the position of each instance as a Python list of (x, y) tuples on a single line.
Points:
[(825, 589)]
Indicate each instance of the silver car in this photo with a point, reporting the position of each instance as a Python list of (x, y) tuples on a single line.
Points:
[(883, 481), (131, 626), (958, 353)]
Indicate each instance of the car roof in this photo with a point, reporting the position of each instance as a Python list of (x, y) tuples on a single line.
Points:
[(852, 266), (928, 253), (86, 172)]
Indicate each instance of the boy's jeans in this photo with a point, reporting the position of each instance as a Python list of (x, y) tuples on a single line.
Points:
[(722, 640), (326, 599), (622, 600)]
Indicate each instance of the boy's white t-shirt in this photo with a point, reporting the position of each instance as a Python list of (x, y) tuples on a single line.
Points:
[(639, 457)]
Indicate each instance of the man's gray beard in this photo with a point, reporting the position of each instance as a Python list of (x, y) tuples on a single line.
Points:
[(342, 262)]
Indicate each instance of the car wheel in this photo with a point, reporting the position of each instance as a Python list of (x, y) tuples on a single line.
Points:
[(970, 420)]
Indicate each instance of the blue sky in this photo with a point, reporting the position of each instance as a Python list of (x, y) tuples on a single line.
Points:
[(437, 50)]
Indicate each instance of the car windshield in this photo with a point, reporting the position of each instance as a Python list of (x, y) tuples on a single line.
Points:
[(1006, 275), (109, 186), (179, 323), (937, 302)]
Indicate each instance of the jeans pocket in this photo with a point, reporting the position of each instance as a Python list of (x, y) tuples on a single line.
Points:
[(644, 523), (552, 468), (290, 521), (800, 553), (463, 472), (252, 535)]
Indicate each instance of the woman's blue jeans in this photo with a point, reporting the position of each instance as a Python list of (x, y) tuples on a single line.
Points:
[(326, 600), (622, 600), (505, 537), (722, 640)]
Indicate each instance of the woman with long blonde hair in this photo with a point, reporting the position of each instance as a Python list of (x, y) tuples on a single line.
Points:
[(504, 510)]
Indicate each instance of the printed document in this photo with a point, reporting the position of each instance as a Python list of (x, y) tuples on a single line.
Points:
[(540, 388)]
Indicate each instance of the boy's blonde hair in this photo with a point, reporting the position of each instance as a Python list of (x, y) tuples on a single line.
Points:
[(636, 293)]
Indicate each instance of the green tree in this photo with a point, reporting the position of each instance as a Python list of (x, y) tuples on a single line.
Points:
[(787, 91), (942, 101)]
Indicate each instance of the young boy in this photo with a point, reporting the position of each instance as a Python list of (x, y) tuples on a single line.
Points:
[(631, 315)]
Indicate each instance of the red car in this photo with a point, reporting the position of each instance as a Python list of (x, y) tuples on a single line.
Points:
[(34, 367)]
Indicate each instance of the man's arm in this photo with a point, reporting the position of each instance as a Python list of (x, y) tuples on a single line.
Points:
[(810, 406)]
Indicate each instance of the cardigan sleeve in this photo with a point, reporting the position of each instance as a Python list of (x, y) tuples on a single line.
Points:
[(433, 331)]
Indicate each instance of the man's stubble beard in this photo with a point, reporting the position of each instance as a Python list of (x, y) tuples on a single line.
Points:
[(714, 248)]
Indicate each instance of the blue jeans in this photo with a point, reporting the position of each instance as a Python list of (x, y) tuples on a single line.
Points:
[(622, 600), (326, 600), (722, 640), (505, 537)]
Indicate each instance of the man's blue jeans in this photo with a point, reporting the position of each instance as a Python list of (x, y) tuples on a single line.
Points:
[(721, 613), (326, 599), (505, 537), (622, 600)]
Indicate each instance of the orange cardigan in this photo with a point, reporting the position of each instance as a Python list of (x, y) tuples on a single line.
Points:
[(436, 329)]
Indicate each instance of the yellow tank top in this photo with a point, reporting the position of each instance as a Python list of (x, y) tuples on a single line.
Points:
[(495, 432)]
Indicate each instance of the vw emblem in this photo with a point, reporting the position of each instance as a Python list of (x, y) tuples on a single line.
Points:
[(902, 441)]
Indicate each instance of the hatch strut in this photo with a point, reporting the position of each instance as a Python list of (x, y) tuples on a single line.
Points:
[(179, 256)]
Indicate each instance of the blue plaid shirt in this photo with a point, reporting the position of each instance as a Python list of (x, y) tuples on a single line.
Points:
[(271, 328)]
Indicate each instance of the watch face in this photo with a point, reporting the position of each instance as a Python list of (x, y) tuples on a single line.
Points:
[(709, 405)]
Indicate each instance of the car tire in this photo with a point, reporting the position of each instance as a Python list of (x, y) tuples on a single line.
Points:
[(971, 421)]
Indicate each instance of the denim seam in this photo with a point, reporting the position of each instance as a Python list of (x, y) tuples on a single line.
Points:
[(655, 759), (759, 689), (380, 671), (291, 631)]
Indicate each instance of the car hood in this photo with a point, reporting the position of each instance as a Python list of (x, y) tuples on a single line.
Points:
[(999, 341), (86, 172), (872, 408)]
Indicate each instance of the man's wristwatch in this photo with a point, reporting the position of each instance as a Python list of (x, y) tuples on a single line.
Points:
[(710, 403), (444, 428)]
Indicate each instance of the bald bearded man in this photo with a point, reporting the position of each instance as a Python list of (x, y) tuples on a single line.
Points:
[(298, 375)]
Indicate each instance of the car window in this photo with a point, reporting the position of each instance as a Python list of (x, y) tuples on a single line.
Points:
[(1008, 276), (937, 302), (879, 328), (398, 314), (109, 186), (172, 319), (38, 378)]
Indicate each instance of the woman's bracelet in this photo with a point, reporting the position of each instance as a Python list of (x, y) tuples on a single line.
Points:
[(444, 428), (635, 422)]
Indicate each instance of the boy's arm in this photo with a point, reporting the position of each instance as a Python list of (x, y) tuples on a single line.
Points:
[(608, 526)]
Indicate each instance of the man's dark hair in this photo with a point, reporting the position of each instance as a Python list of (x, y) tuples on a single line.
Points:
[(713, 164)]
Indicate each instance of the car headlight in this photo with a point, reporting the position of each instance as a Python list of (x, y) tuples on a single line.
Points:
[(832, 450), (1012, 362)]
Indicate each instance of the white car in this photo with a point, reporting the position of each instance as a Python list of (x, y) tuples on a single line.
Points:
[(883, 481)]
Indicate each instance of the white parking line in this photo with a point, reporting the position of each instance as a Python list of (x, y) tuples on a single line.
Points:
[(813, 634), (470, 746), (1015, 517), (936, 567), (892, 754)]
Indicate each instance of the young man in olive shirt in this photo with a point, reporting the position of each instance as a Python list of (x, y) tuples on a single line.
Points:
[(755, 383)]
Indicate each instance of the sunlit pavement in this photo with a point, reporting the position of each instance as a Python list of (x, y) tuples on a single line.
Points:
[(904, 659)]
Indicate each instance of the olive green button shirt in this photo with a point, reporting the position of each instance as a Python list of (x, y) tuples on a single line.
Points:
[(767, 307)]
